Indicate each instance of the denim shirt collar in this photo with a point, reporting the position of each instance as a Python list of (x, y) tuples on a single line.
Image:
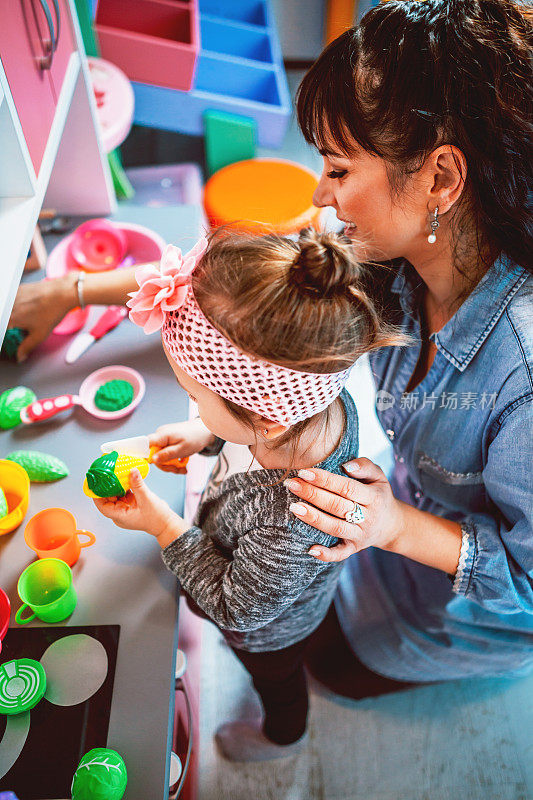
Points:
[(462, 336)]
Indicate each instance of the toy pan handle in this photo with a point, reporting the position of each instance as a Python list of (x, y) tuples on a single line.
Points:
[(48, 407)]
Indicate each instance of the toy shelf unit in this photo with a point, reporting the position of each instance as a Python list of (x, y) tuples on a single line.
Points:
[(153, 41), (50, 151), (239, 70)]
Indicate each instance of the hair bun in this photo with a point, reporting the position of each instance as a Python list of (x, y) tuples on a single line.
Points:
[(325, 263)]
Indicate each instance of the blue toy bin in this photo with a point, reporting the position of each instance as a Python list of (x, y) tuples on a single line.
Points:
[(251, 12), (219, 36)]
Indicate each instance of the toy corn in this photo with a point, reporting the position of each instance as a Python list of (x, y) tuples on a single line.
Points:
[(109, 475)]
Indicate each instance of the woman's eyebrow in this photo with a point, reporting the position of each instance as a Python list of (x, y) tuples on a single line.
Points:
[(324, 151)]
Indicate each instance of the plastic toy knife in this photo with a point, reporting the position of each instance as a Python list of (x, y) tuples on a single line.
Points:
[(111, 317), (139, 446)]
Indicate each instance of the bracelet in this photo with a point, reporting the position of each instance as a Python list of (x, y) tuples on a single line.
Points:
[(79, 289)]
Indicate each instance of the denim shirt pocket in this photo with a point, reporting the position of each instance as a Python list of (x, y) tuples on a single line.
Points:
[(453, 489)]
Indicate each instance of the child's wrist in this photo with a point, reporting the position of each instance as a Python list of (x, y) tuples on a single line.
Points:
[(171, 529)]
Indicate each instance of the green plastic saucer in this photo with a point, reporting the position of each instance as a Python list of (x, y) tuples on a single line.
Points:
[(22, 685)]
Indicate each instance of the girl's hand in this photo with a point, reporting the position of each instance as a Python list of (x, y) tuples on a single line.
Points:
[(141, 509), (179, 440), (335, 494)]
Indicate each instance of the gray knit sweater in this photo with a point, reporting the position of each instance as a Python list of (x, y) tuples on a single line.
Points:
[(245, 561)]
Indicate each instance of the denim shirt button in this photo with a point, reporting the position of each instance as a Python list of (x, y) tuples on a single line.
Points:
[(401, 459), (390, 434), (418, 495)]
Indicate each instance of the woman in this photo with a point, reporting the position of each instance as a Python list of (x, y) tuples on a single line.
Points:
[(423, 117)]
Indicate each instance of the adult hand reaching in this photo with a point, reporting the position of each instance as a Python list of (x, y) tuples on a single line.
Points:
[(39, 307)]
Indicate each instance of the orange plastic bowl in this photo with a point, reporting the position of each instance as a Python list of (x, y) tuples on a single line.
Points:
[(262, 195)]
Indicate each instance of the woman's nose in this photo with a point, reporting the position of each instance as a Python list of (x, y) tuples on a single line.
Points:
[(323, 196)]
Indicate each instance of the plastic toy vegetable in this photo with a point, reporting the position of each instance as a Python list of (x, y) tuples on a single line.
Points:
[(109, 475), (41, 467), (12, 401), (101, 775)]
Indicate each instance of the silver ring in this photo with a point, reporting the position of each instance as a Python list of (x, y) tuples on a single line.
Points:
[(356, 514)]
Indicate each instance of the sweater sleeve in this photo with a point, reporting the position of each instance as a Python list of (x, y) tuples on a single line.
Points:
[(496, 562), (265, 574)]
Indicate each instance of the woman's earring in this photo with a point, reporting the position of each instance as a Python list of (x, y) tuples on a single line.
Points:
[(265, 432), (434, 224)]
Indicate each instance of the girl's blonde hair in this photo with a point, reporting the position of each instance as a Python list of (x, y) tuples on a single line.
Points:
[(300, 304)]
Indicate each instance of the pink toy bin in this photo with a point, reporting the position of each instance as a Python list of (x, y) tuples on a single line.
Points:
[(142, 245), (153, 41)]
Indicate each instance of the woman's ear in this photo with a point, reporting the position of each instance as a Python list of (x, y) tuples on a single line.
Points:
[(446, 167)]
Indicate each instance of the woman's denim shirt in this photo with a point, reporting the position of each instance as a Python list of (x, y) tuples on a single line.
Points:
[(463, 447)]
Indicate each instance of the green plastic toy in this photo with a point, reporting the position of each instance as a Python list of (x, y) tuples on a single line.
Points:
[(22, 685), (41, 467), (113, 395), (12, 401), (101, 775), (10, 345), (3, 504)]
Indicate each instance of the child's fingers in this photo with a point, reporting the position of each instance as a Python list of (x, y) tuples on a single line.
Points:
[(176, 450), (175, 470)]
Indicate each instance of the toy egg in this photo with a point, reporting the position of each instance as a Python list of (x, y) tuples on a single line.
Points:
[(109, 475), (101, 775)]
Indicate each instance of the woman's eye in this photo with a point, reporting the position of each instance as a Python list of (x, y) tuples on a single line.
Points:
[(337, 173)]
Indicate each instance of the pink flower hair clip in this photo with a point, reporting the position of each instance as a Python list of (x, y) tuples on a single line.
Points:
[(164, 289)]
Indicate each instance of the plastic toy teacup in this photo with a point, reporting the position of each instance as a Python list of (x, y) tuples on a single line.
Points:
[(16, 486), (5, 611), (52, 533), (46, 588)]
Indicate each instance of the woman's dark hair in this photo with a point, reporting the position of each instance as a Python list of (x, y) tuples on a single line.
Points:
[(418, 74)]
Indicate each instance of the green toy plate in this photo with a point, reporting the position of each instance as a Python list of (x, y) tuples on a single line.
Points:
[(41, 467), (22, 685)]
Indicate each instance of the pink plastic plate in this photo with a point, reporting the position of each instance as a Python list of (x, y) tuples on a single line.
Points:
[(142, 245), (114, 101), (92, 383)]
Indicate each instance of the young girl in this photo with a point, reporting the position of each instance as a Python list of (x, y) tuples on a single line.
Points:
[(261, 333)]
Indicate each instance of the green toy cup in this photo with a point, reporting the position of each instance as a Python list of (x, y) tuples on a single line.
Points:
[(46, 588)]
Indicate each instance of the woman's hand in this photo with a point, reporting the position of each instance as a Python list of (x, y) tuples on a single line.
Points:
[(39, 307), (141, 509), (179, 440), (329, 498)]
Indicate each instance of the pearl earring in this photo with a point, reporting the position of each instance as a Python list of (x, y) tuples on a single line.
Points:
[(265, 432), (434, 224)]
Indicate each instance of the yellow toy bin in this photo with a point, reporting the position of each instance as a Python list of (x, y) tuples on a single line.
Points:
[(16, 487)]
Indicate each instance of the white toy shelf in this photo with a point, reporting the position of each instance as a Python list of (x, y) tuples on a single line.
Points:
[(50, 148)]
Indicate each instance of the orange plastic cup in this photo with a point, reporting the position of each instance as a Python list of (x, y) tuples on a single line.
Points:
[(52, 533), (16, 486)]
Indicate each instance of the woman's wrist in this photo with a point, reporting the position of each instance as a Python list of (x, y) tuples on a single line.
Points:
[(426, 538)]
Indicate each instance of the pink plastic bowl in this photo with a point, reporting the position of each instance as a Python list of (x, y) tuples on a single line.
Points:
[(142, 245)]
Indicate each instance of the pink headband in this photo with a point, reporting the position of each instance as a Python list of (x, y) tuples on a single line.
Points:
[(165, 300)]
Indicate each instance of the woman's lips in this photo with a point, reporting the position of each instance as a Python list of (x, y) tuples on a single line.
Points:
[(349, 228)]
